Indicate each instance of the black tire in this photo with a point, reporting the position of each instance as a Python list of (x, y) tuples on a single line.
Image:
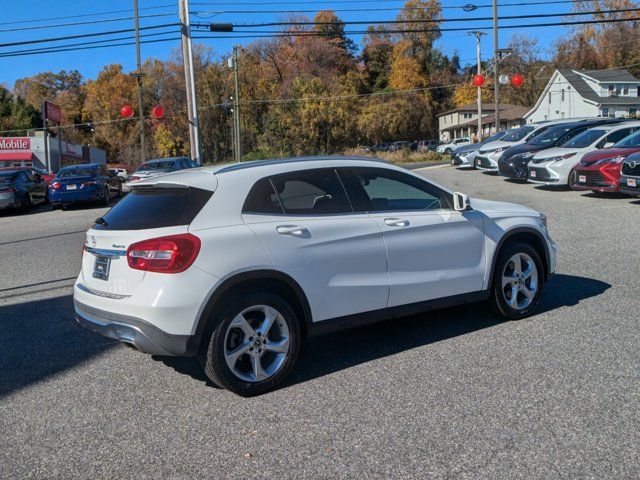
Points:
[(497, 299), (107, 197), (447, 151), (212, 356), (27, 204)]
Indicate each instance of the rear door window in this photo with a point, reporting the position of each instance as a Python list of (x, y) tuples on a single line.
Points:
[(153, 207), (311, 192)]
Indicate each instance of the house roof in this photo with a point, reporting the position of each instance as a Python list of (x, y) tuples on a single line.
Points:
[(576, 80), (614, 75), (507, 113), (472, 107)]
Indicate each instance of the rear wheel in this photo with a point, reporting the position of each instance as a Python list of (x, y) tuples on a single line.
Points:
[(254, 345), (517, 281)]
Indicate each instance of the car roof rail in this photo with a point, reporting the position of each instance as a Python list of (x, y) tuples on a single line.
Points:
[(278, 161)]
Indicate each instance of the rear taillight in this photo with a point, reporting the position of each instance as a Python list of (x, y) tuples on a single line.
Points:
[(89, 183), (134, 178), (172, 254), (9, 190), (56, 185)]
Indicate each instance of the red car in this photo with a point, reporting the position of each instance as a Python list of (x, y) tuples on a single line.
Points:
[(599, 171)]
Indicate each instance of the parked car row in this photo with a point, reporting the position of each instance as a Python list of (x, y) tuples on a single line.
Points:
[(597, 154), (417, 146), (23, 187)]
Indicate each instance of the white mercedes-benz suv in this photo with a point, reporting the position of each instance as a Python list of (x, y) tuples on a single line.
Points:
[(237, 264)]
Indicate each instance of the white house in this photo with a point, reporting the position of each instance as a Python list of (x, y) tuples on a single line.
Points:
[(587, 93)]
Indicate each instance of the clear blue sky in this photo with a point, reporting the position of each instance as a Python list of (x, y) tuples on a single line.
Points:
[(89, 62)]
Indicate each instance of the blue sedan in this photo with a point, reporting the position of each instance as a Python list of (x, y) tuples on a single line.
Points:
[(84, 183)]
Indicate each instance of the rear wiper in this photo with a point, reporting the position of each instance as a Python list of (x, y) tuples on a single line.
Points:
[(101, 221)]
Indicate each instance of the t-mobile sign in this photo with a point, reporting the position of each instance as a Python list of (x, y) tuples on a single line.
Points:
[(15, 145)]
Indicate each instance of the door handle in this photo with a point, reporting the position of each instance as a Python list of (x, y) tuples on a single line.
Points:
[(397, 222), (292, 230)]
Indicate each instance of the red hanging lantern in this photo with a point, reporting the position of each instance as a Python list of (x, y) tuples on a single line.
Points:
[(127, 111), (517, 80), (478, 80), (157, 112)]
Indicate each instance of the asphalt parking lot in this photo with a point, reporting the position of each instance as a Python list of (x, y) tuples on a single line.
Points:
[(456, 393)]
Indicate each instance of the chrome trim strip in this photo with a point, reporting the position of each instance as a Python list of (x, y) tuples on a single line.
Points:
[(106, 253), (98, 293)]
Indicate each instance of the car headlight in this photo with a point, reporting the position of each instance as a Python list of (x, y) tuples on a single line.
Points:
[(613, 161)]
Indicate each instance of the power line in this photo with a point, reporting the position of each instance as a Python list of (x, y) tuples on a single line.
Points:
[(86, 22), (69, 17), (345, 2), (84, 45), (84, 35), (438, 20)]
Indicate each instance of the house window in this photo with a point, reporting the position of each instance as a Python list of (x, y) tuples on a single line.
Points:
[(604, 112), (562, 97), (625, 90), (612, 90), (618, 90), (633, 111)]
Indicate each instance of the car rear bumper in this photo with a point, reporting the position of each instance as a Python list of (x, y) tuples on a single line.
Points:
[(77, 196), (134, 332), (9, 201)]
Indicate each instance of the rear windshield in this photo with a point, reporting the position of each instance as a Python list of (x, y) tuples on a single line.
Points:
[(76, 172), (629, 142), (163, 165), (517, 134), (584, 139), (155, 208)]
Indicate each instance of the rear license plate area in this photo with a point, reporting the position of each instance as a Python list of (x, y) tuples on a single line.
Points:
[(71, 187), (101, 268)]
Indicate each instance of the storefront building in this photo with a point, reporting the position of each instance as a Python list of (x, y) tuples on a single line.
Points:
[(30, 152)]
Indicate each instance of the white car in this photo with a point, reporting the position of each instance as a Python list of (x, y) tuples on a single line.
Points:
[(554, 166), (489, 154), (120, 172), (447, 148), (237, 264)]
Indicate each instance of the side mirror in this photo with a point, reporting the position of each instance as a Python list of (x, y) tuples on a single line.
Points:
[(608, 145), (461, 202)]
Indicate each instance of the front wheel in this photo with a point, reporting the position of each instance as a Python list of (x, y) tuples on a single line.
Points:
[(517, 281), (254, 345)]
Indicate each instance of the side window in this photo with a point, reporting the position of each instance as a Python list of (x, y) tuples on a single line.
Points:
[(262, 199), (27, 177), (619, 135), (387, 190), (311, 192)]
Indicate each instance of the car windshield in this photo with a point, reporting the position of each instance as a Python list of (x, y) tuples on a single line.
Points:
[(629, 142), (495, 136), (76, 172), (158, 165), (551, 136), (584, 139), (517, 134)]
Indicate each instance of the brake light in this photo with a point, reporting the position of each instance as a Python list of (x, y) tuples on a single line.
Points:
[(89, 183), (56, 185), (134, 178), (172, 254), (9, 190)]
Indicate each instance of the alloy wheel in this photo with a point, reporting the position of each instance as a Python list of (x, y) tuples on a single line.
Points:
[(520, 281), (256, 343)]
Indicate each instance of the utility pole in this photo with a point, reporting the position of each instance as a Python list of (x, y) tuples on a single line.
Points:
[(496, 83), (236, 106), (478, 34), (138, 75), (45, 132), (189, 77)]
